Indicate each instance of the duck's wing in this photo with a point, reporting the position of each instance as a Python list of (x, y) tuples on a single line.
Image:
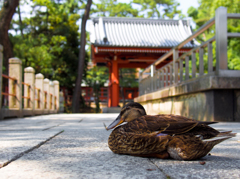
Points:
[(177, 118), (167, 124)]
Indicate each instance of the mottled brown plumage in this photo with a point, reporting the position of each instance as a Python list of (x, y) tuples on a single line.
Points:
[(162, 135)]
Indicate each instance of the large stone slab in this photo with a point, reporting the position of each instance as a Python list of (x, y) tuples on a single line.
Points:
[(19, 136), (81, 151), (14, 143)]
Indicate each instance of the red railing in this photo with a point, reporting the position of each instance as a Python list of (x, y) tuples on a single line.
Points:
[(13, 94), (45, 100), (37, 95), (55, 102), (51, 102), (28, 98), (88, 94), (14, 89), (18, 99)]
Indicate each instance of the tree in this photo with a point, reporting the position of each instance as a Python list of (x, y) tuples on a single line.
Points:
[(127, 79), (148, 8), (77, 90), (49, 40), (6, 14), (96, 77), (159, 8), (112, 8)]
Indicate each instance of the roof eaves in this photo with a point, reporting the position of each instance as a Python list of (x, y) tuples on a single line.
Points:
[(137, 20), (135, 46)]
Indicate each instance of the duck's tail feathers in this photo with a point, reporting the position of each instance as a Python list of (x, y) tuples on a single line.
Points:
[(219, 138), (206, 122), (226, 133)]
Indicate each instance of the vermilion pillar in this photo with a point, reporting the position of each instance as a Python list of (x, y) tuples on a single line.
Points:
[(110, 86), (114, 84)]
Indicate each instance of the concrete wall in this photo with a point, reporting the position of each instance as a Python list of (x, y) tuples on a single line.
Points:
[(212, 105), (218, 103), (236, 106)]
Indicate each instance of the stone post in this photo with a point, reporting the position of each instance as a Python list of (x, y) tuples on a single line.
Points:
[(56, 94), (221, 39), (39, 84), (51, 95), (29, 91), (153, 70), (175, 66), (15, 86), (46, 94), (61, 102), (1, 61)]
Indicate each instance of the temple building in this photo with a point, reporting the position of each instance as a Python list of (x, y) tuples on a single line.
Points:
[(118, 42)]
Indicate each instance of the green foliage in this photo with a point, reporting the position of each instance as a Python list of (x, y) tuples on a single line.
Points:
[(96, 77), (128, 77), (154, 8), (147, 8), (112, 8), (49, 40), (205, 12), (234, 54)]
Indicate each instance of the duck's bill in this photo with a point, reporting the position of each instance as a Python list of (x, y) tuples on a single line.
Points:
[(115, 123)]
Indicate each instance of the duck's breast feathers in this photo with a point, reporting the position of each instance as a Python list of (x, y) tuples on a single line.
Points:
[(161, 123)]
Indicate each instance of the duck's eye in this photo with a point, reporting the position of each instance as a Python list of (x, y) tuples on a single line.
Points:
[(124, 110)]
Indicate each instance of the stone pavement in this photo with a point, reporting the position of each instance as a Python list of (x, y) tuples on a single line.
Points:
[(75, 146)]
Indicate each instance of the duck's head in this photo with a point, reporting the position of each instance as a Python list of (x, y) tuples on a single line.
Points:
[(128, 113)]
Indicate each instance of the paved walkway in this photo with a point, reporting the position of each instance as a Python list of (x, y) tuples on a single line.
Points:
[(75, 146)]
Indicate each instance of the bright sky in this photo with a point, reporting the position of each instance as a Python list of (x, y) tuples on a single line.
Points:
[(185, 4)]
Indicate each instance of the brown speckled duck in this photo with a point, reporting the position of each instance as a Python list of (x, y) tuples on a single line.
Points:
[(162, 136)]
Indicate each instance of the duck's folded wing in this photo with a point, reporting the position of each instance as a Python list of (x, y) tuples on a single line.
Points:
[(179, 127), (160, 124)]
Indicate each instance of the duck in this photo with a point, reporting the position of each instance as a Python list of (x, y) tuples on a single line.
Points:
[(162, 136)]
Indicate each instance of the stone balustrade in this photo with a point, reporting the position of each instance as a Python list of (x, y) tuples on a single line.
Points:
[(206, 90), (34, 96)]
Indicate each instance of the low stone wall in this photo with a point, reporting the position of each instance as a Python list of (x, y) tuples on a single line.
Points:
[(207, 99)]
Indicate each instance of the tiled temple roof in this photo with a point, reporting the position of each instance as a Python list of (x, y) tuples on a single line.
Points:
[(139, 32)]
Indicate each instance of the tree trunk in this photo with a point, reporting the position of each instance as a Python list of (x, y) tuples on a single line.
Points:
[(81, 57), (20, 21), (122, 91), (96, 88), (6, 14)]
